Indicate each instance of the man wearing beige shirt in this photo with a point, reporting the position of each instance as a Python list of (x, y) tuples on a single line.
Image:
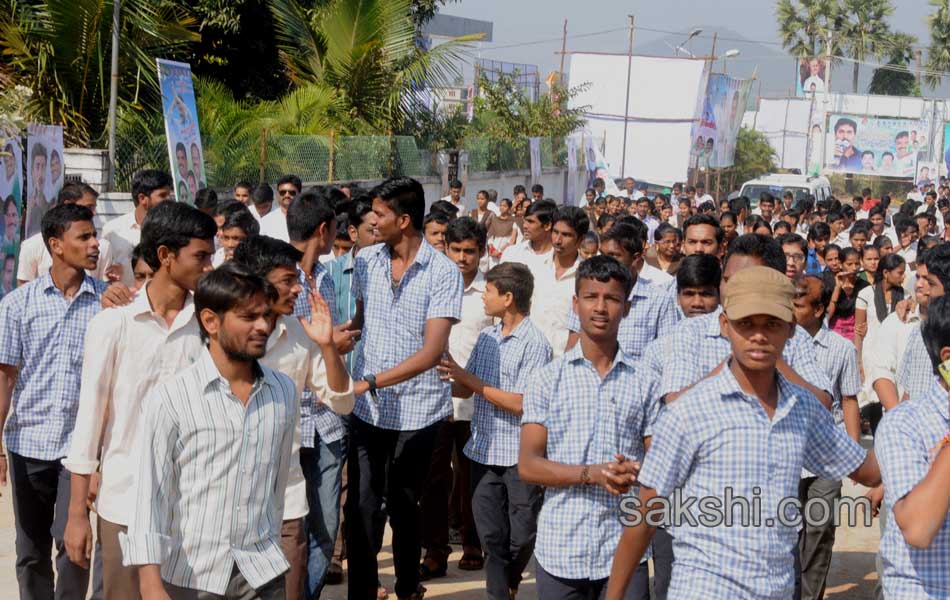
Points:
[(304, 351), (129, 351)]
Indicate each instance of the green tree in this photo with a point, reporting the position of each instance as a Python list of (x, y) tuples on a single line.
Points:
[(938, 55), (754, 157), (59, 49), (865, 32), (364, 53), (806, 26), (896, 81)]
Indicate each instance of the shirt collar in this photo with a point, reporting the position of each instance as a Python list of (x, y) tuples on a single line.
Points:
[(141, 306), (86, 287), (478, 284), (821, 338), (423, 255), (711, 326), (938, 396), (280, 329), (640, 289), (517, 332), (576, 355), (208, 373), (728, 386)]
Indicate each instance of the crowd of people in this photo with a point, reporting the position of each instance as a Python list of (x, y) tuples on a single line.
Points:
[(246, 391)]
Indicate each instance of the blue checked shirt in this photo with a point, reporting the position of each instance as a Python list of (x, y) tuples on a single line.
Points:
[(42, 334), (505, 362), (316, 418), (915, 371), (588, 421), (698, 347), (394, 323), (902, 446), (652, 315), (839, 359), (341, 272), (716, 438)]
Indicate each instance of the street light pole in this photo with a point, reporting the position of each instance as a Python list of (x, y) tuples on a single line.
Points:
[(114, 88), (626, 110)]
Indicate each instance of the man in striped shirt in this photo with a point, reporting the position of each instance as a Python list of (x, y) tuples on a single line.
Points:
[(215, 447)]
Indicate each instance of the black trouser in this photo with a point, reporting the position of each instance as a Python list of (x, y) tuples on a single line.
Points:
[(384, 463), (662, 563), (815, 541), (40, 508), (551, 587), (506, 515)]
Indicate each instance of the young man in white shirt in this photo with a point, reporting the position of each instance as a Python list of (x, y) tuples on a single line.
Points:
[(149, 189), (262, 200), (129, 351), (238, 225), (554, 285), (302, 349), (215, 449), (536, 249), (701, 195), (466, 241), (274, 224), (455, 195), (35, 259)]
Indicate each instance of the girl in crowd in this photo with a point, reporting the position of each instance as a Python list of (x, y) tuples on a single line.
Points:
[(847, 286), (877, 301)]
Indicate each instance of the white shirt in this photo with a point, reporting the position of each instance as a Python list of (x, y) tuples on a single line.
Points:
[(459, 205), (551, 303), (291, 351), (251, 207), (128, 351), (523, 253), (213, 471), (463, 336), (654, 276), (35, 259), (889, 232), (883, 351), (218, 258), (123, 234), (274, 224), (704, 198), (909, 253)]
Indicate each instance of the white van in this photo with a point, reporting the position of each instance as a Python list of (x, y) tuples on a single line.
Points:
[(799, 185)]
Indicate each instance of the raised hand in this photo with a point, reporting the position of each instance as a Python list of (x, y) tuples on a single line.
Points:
[(319, 327)]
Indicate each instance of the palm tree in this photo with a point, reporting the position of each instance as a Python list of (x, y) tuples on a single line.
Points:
[(59, 49), (896, 81), (938, 55), (806, 26), (865, 32), (366, 55)]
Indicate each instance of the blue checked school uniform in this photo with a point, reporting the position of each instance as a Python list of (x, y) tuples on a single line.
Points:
[(915, 372), (316, 418), (652, 315), (716, 437), (698, 347), (394, 319), (341, 272), (588, 421), (902, 445), (505, 362), (42, 334), (839, 359)]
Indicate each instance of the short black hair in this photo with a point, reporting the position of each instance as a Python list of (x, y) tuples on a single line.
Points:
[(404, 196), (57, 220), (244, 184), (437, 216), (455, 184), (229, 286), (71, 192), (466, 228), (935, 329), (700, 219), (136, 256), (228, 207), (445, 207), (938, 263), (768, 250), (698, 271), (878, 209), (845, 121), (627, 235), (308, 212), (793, 238), (262, 254), (604, 268), (243, 220), (173, 225), (819, 230), (206, 199), (537, 189), (358, 208), (643, 232), (147, 181), (262, 194), (516, 279), (291, 179), (518, 189), (575, 217), (544, 210)]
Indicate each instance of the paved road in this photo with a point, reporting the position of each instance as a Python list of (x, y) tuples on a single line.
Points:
[(852, 571)]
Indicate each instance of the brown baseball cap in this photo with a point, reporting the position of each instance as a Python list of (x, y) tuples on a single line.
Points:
[(759, 291)]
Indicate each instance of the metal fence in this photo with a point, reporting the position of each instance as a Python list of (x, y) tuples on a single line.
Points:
[(314, 158), (487, 155)]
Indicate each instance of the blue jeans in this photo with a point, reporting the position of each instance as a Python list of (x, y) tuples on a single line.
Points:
[(323, 469)]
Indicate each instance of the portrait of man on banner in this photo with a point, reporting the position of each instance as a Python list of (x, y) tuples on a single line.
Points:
[(812, 75)]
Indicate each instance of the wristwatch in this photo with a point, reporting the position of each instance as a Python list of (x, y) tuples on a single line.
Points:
[(371, 381)]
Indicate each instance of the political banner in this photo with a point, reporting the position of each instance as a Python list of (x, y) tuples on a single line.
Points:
[(946, 148), (812, 75), (716, 131), (926, 174), (873, 145), (44, 172), (11, 192), (185, 153)]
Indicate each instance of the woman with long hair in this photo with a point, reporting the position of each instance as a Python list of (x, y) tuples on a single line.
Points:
[(847, 286), (877, 301)]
